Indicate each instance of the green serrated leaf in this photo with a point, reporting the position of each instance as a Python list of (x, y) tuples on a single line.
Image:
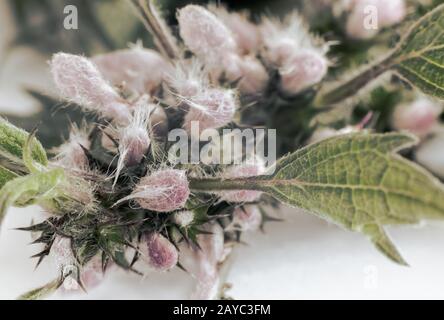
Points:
[(12, 142), (355, 181), (33, 188), (42, 292), (5, 176), (419, 58)]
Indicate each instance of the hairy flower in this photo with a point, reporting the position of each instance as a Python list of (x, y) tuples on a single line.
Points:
[(163, 191), (245, 33), (183, 218), (303, 70), (213, 108), (188, 78), (247, 70), (79, 81), (134, 139), (71, 154), (158, 252), (137, 69), (204, 34), (299, 56)]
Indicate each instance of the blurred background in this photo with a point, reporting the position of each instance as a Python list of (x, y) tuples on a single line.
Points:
[(301, 258)]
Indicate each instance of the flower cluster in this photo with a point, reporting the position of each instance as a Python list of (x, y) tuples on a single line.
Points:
[(139, 94)]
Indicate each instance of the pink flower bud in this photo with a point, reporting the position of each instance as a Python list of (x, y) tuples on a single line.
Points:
[(134, 139), (188, 78), (251, 74), (162, 191), (183, 218), (303, 70), (158, 252), (214, 108), (137, 69), (71, 154), (79, 81), (247, 218), (280, 49), (245, 33), (204, 34), (243, 171), (360, 23), (418, 117)]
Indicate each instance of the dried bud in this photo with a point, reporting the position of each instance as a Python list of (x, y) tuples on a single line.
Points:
[(162, 191), (159, 252), (248, 70), (253, 169), (361, 25), (213, 108), (305, 69), (137, 69), (247, 218), (183, 218), (245, 33), (418, 117), (204, 34), (79, 81)]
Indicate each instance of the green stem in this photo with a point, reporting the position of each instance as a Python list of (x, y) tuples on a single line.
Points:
[(215, 184), (350, 87)]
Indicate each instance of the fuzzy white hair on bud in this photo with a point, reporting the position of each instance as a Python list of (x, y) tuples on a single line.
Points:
[(299, 56), (245, 32), (79, 81), (204, 34), (189, 78), (71, 155), (134, 139), (283, 38), (158, 252), (162, 191), (303, 70), (248, 71), (183, 218), (137, 69), (212, 109)]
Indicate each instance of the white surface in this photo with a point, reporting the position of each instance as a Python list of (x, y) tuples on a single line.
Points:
[(301, 258)]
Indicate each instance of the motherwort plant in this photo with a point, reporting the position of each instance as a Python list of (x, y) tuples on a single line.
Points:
[(114, 197)]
